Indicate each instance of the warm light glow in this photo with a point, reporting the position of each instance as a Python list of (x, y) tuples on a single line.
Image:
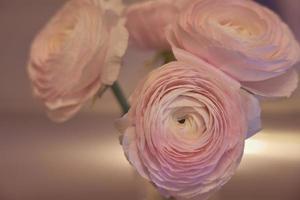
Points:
[(274, 145), (254, 146)]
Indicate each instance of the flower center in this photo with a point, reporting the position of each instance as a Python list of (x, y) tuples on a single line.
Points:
[(181, 121), (238, 21), (236, 27), (189, 126)]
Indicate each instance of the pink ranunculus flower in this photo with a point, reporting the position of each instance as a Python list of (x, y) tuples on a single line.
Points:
[(186, 128), (242, 38), (146, 22), (78, 52)]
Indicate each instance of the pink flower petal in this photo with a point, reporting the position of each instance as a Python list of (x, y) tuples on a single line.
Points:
[(281, 86), (77, 52)]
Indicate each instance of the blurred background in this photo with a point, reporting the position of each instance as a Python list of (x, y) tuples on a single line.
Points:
[(82, 159)]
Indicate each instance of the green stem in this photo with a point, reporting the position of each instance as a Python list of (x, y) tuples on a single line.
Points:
[(120, 97), (168, 56)]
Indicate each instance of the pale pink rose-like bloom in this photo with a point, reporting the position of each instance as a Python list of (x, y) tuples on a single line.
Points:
[(242, 38), (77, 53), (146, 22), (186, 128)]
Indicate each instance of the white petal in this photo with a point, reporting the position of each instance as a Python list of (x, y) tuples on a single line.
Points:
[(118, 45), (252, 109)]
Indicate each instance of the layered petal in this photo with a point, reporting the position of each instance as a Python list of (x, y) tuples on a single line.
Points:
[(186, 128), (242, 38), (146, 22), (282, 85), (74, 54)]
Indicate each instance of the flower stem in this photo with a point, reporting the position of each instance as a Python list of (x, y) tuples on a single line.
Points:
[(168, 56), (120, 97)]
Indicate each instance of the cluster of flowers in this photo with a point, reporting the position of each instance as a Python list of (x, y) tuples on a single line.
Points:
[(188, 120)]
